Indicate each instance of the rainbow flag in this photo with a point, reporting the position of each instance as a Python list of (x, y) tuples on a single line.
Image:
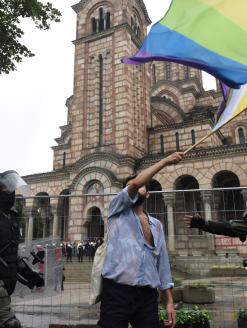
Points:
[(206, 34), (235, 104)]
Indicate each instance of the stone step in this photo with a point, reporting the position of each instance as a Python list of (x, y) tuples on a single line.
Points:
[(78, 272)]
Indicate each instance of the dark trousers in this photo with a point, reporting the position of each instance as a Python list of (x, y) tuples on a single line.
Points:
[(69, 257), (124, 304), (80, 257)]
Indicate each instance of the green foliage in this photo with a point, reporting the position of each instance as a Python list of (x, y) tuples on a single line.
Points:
[(225, 267), (199, 284), (186, 316), (242, 314), (177, 282), (12, 50)]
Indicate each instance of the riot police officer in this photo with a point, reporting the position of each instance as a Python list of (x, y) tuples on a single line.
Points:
[(11, 266)]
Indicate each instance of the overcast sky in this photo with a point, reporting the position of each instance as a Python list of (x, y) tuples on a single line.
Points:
[(32, 102)]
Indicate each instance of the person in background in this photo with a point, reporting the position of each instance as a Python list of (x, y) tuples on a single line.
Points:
[(80, 252), (69, 252)]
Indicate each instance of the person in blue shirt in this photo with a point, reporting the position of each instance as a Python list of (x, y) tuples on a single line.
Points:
[(136, 262)]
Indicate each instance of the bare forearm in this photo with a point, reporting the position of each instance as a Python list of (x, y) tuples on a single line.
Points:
[(166, 297), (146, 175)]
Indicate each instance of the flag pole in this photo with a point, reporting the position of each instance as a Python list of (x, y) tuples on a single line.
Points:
[(198, 143), (211, 133)]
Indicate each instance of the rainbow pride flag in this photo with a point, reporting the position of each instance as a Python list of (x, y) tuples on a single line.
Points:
[(206, 34), (236, 103)]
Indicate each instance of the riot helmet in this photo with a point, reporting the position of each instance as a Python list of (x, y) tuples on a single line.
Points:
[(10, 181)]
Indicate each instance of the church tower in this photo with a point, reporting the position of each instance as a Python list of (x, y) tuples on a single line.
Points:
[(109, 111)]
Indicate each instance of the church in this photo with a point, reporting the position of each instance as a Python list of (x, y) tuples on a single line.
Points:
[(123, 118)]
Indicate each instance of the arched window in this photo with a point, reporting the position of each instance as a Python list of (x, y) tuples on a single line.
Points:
[(64, 160), (108, 20), (95, 187), (186, 72), (154, 73), (132, 23), (241, 136), (138, 31), (168, 71), (162, 148), (135, 26), (94, 25), (101, 21), (193, 137), (95, 226), (177, 141)]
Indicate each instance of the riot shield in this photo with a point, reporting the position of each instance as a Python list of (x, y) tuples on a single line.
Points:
[(45, 257)]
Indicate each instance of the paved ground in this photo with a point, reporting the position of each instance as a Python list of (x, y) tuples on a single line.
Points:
[(38, 310)]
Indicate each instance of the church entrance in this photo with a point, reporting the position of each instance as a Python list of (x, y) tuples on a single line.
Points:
[(95, 224)]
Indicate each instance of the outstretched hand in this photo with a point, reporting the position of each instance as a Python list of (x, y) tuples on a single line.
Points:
[(187, 220)]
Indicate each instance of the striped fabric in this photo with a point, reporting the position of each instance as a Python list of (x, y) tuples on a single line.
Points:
[(207, 34), (236, 103)]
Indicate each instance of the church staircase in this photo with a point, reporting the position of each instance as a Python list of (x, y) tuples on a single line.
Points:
[(78, 272)]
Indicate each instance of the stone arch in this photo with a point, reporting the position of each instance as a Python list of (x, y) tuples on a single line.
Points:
[(167, 94), (230, 203), (168, 179), (42, 215), (240, 139), (223, 166), (187, 201), (134, 11), (91, 204), (164, 87), (94, 223), (109, 162), (90, 174), (94, 187), (170, 111), (92, 10)]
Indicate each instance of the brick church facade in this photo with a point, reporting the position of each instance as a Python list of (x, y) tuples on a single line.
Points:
[(123, 118)]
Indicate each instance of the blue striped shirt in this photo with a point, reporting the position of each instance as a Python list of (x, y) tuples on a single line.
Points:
[(129, 259)]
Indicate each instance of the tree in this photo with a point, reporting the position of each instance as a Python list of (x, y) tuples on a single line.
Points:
[(12, 51)]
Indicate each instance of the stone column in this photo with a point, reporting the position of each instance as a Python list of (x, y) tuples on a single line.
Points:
[(29, 218), (30, 226), (207, 201), (55, 224), (53, 209), (244, 194), (169, 199)]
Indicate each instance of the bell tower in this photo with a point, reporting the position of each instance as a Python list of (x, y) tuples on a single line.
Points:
[(110, 107)]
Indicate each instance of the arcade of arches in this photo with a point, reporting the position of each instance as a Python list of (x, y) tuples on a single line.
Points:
[(52, 216)]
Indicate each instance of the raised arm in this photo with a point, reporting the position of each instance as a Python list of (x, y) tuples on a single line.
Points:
[(146, 175)]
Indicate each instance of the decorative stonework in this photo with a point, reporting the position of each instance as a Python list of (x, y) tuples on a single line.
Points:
[(123, 118)]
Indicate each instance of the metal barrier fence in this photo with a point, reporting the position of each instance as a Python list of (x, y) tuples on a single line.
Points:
[(207, 269)]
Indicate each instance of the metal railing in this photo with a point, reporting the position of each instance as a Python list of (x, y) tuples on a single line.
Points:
[(196, 258)]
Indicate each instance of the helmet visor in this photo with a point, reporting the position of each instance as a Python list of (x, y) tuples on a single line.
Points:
[(11, 181)]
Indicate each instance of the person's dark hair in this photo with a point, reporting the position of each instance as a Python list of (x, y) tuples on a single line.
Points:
[(131, 177)]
